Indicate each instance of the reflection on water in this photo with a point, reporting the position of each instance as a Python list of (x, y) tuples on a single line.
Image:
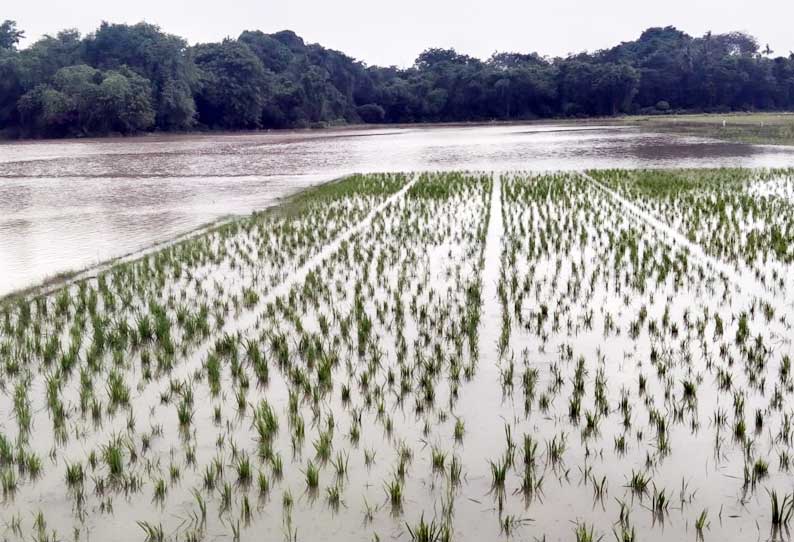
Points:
[(69, 204)]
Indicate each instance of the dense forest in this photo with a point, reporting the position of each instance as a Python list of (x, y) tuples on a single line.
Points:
[(136, 78)]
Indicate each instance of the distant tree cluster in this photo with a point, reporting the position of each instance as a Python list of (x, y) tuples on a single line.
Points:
[(135, 78)]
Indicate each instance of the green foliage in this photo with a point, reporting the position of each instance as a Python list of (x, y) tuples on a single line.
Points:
[(232, 85), (132, 78), (161, 58), (10, 35), (84, 101)]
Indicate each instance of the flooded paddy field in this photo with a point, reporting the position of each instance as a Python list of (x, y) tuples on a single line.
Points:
[(68, 205), (506, 355)]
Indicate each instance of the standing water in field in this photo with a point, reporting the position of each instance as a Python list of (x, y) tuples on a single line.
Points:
[(431, 357), (66, 205)]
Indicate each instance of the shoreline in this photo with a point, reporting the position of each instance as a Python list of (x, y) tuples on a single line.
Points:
[(312, 133), (739, 127)]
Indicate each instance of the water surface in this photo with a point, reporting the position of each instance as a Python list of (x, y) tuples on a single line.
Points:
[(66, 205)]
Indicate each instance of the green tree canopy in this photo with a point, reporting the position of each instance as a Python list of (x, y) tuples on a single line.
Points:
[(232, 85), (131, 78), (10, 35), (86, 101)]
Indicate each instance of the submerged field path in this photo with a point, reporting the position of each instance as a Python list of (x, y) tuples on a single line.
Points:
[(485, 391), (492, 256)]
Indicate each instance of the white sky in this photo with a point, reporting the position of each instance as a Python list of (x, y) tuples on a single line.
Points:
[(395, 32)]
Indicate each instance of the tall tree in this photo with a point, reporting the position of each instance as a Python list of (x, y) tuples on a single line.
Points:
[(159, 57), (10, 35), (232, 85)]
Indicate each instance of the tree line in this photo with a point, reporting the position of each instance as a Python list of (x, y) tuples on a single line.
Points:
[(135, 78)]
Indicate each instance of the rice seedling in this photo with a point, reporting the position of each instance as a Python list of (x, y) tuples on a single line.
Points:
[(782, 510), (369, 457), (74, 475), (244, 470), (340, 464), (427, 532), (583, 533), (246, 514), (625, 533), (323, 447), (459, 430), (184, 414), (286, 500), (333, 496), (114, 459), (9, 483), (394, 490), (118, 392), (312, 476), (153, 533), (499, 473), (263, 483), (509, 523), (226, 493), (277, 466), (202, 506), (660, 502), (701, 523), (438, 459), (160, 490), (638, 482)]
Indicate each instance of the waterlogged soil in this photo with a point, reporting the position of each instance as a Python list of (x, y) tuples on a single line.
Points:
[(446, 356), (68, 205)]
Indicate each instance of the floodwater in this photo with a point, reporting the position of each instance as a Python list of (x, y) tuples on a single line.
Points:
[(605, 347), (67, 205)]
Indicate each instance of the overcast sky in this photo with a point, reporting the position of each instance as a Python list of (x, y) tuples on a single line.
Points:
[(394, 32)]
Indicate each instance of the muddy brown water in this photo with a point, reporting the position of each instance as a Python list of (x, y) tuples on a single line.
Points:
[(67, 205)]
